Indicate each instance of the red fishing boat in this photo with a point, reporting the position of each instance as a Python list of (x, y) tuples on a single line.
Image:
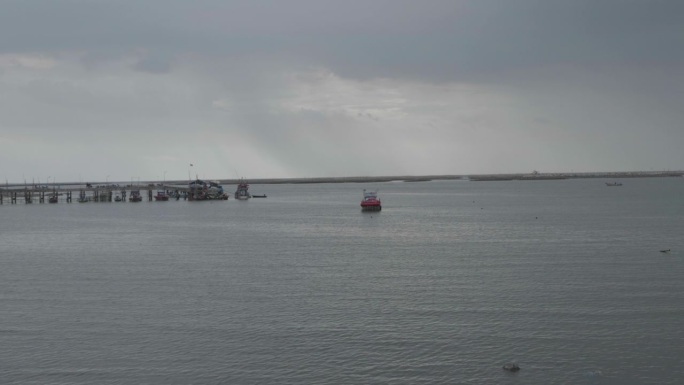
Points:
[(161, 196), (370, 201)]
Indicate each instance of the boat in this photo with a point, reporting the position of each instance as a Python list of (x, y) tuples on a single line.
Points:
[(613, 184), (259, 196), (200, 190), (242, 192), (161, 196), (53, 199), (118, 199), (82, 198), (370, 201), (135, 196)]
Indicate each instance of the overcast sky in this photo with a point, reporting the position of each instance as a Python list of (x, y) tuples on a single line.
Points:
[(119, 90)]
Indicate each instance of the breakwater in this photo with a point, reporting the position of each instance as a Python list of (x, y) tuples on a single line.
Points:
[(472, 177), (551, 176)]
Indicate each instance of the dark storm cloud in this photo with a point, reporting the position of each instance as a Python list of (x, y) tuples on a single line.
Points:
[(434, 40)]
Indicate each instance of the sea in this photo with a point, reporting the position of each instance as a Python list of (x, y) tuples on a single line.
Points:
[(448, 283)]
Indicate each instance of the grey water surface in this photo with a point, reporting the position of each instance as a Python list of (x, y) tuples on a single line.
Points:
[(449, 282)]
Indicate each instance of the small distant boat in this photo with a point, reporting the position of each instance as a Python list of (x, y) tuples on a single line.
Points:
[(259, 196), (118, 199), (370, 201), (53, 199), (613, 184), (161, 196), (242, 192), (135, 196)]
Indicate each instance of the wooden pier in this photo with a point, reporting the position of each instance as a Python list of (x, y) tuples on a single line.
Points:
[(33, 194)]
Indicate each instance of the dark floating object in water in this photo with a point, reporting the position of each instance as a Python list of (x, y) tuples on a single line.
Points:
[(511, 367), (665, 251), (259, 196)]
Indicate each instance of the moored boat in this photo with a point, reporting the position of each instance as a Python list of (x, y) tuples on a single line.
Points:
[(82, 198), (135, 196), (242, 192), (202, 191), (161, 196), (370, 201), (613, 184)]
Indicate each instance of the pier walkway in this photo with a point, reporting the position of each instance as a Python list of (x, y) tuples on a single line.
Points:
[(55, 194)]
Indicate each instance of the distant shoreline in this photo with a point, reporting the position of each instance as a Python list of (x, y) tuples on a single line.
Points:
[(584, 175), (472, 177), (406, 178)]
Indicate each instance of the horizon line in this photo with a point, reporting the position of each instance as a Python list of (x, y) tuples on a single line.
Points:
[(411, 178)]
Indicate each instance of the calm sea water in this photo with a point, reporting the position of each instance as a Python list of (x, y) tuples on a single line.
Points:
[(452, 280)]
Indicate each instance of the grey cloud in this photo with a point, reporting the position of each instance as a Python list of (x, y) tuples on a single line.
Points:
[(439, 40), (432, 86)]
